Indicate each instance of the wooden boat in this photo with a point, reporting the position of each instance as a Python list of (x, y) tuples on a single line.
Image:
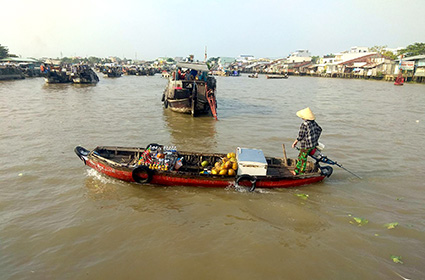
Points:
[(55, 75), (112, 71), (192, 94), (232, 73), (11, 73), (83, 74), (253, 75), (399, 81), (138, 165), (277, 76)]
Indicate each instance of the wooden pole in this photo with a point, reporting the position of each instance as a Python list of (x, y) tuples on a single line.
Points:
[(284, 155)]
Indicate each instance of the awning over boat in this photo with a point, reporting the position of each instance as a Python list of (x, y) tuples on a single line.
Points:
[(194, 66)]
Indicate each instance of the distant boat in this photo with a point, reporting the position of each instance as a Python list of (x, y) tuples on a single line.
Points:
[(83, 74), (192, 93), (11, 73), (277, 76), (399, 81), (56, 75), (232, 73), (253, 75), (165, 74), (112, 71)]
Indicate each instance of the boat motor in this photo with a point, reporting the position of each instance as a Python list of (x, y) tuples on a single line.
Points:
[(317, 155)]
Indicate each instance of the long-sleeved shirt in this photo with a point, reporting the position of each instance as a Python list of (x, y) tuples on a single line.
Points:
[(309, 134)]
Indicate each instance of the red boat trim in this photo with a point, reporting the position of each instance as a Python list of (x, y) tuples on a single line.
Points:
[(125, 174)]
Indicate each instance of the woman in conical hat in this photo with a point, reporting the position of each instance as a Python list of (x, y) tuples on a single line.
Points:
[(306, 114), (308, 137)]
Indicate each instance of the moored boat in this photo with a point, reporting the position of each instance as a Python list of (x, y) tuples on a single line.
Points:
[(83, 74), (112, 71), (10, 72), (399, 80), (191, 91), (159, 165), (56, 74)]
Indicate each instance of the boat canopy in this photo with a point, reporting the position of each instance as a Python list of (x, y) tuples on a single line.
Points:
[(194, 66)]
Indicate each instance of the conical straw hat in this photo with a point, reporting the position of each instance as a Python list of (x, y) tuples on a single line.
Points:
[(306, 114)]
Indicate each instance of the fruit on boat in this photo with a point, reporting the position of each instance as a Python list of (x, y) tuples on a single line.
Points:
[(223, 172)]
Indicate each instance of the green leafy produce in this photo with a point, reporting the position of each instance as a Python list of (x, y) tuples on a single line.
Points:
[(391, 225), (360, 221), (302, 195), (396, 259)]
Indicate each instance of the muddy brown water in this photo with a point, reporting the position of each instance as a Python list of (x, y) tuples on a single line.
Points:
[(61, 220)]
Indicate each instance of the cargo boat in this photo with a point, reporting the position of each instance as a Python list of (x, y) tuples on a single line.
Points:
[(191, 90), (83, 74), (254, 169)]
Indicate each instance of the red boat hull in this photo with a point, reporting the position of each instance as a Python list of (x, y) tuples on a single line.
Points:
[(169, 179)]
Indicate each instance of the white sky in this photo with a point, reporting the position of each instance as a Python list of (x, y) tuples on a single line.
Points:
[(153, 28)]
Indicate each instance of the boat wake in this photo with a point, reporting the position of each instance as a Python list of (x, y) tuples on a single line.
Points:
[(243, 189), (94, 174)]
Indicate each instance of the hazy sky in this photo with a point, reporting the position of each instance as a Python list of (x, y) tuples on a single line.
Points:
[(152, 28)]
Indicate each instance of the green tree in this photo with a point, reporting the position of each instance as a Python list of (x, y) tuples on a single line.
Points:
[(94, 60), (383, 50), (4, 52), (379, 49), (412, 50), (389, 54), (315, 59)]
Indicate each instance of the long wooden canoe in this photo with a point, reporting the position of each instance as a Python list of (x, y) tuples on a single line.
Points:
[(124, 163)]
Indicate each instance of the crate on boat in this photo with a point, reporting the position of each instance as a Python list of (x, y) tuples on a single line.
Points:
[(251, 162)]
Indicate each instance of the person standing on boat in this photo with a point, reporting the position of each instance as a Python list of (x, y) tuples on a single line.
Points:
[(308, 136)]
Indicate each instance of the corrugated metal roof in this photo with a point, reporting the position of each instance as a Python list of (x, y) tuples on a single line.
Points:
[(18, 59), (416, 57)]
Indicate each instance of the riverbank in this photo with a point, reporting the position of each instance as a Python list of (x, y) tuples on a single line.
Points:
[(387, 78)]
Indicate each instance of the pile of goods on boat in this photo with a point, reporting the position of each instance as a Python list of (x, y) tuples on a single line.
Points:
[(225, 166), (165, 158)]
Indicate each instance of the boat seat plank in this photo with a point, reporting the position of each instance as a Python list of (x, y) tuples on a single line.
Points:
[(281, 171)]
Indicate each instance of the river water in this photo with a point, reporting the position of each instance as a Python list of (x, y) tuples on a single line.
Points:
[(61, 220)]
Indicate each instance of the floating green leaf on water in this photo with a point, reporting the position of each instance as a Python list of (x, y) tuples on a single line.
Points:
[(360, 221), (391, 225), (396, 259), (302, 195)]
